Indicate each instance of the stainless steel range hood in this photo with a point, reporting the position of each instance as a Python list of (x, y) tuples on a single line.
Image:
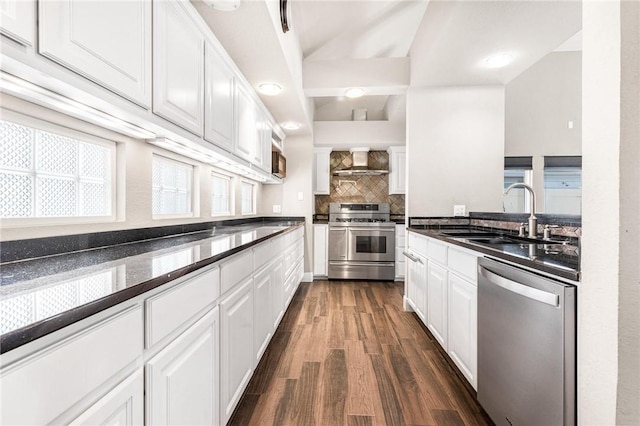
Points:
[(360, 158)]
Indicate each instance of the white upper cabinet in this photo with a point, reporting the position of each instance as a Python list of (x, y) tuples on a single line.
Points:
[(218, 114), (397, 169), (178, 66), (107, 42), (322, 171), (18, 20), (247, 131)]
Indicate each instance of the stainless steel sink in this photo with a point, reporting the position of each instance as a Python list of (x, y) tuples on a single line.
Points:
[(495, 240), (467, 234)]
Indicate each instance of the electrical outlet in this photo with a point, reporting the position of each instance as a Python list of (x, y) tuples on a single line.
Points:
[(300, 196), (277, 208), (459, 210)]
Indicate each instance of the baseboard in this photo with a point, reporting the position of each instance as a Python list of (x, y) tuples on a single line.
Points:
[(307, 277), (405, 304)]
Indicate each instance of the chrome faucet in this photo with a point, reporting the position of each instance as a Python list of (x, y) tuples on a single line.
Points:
[(533, 220)]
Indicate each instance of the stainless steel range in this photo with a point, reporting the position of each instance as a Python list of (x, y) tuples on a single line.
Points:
[(361, 242)]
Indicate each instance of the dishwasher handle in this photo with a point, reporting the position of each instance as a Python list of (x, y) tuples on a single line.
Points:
[(521, 289)]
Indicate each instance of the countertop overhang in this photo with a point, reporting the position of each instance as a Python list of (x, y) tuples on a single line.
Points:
[(90, 281)]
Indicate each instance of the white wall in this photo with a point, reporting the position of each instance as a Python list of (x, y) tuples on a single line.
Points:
[(539, 103), (299, 154), (608, 304), (134, 176), (455, 149), (341, 135)]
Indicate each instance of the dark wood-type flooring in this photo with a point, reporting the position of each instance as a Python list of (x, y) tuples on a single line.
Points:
[(347, 354)]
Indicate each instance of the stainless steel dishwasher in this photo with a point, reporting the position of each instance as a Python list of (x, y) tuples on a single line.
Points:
[(526, 346)]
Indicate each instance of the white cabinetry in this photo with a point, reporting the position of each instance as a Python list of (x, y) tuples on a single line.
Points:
[(277, 276), (182, 380), (437, 302), (263, 285), (320, 249), (107, 42), (397, 169), (236, 346), (321, 171), (449, 284), (123, 406), (178, 66), (18, 20), (400, 247), (219, 103), (463, 327), (247, 131)]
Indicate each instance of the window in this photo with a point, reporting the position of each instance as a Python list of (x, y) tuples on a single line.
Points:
[(563, 185), (220, 195), (54, 175), (517, 170), (172, 183), (247, 198)]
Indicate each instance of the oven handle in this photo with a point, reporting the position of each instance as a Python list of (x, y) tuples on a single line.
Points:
[(352, 263), (354, 228), (412, 257)]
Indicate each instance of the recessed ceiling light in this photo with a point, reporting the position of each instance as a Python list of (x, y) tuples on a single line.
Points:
[(270, 89), (354, 92), (290, 125), (223, 5), (499, 60)]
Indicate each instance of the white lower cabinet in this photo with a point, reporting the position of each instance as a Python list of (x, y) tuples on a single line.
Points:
[(263, 292), (437, 302), (277, 275), (400, 246), (182, 380), (320, 249), (236, 346), (417, 284), (463, 326), (441, 288), (123, 406)]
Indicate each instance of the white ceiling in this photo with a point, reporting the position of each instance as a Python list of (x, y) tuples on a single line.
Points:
[(447, 42)]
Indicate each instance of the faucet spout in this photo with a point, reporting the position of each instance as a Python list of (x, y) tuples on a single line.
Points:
[(533, 221)]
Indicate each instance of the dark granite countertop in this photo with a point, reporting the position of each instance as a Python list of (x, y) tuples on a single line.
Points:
[(41, 295), (556, 259)]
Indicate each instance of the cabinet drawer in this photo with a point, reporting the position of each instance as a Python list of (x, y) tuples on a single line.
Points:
[(262, 254), (44, 385), (418, 243), (233, 270), (464, 264), (169, 310), (437, 251)]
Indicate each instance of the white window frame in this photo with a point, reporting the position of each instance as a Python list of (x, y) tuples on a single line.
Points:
[(192, 188), (229, 179), (253, 197), (45, 126)]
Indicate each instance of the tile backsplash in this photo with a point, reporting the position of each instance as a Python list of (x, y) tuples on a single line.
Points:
[(359, 189)]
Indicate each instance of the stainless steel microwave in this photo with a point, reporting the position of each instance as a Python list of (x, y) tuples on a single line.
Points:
[(278, 164)]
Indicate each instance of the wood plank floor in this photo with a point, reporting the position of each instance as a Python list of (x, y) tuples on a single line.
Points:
[(347, 354)]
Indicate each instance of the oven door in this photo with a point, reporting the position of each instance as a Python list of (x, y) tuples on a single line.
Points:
[(371, 244)]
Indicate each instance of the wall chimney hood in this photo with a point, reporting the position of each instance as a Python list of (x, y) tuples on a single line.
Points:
[(360, 158)]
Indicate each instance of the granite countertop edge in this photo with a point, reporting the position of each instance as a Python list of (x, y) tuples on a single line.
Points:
[(436, 233), (21, 336)]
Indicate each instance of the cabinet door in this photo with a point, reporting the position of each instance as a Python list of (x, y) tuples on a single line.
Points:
[(247, 131), (263, 311), (397, 169), (178, 66), (257, 157), (321, 172), (182, 380), (18, 20), (123, 406), (463, 326), (320, 235), (437, 302), (236, 343), (417, 285), (109, 42), (220, 82), (277, 276)]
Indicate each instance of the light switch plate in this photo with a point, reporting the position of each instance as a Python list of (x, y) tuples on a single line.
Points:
[(459, 210), (300, 196), (277, 208)]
